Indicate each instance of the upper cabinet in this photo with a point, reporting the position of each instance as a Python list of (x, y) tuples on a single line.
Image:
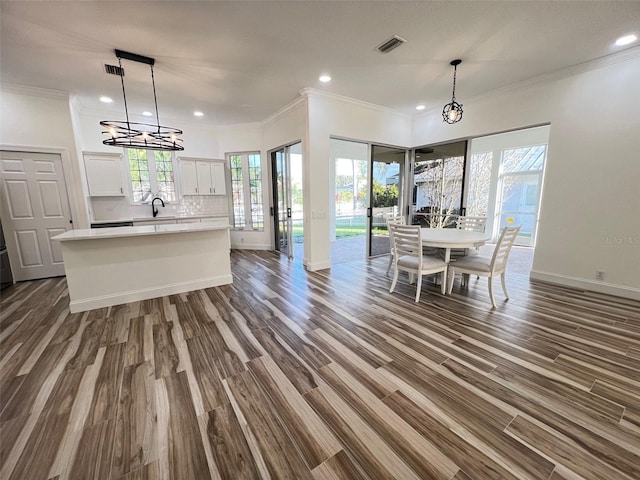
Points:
[(188, 177), (202, 177), (218, 178), (104, 174)]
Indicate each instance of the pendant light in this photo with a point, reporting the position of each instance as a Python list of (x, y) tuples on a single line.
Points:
[(140, 135), (452, 112)]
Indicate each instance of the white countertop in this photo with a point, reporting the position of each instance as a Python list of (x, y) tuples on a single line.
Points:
[(162, 217), (117, 232)]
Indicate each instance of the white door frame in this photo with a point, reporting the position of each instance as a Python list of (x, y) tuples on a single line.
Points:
[(55, 267), (76, 190)]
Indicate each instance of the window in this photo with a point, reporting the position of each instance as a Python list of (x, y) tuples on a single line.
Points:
[(152, 174), (246, 184)]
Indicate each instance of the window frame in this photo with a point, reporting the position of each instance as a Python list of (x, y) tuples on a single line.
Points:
[(247, 193), (154, 183)]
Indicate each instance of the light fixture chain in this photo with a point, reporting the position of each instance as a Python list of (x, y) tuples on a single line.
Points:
[(155, 98), (124, 94), (453, 95)]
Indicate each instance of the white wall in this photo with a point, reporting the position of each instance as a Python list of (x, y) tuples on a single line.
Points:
[(41, 121), (589, 217)]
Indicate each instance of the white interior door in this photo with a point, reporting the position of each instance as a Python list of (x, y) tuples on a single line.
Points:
[(34, 208)]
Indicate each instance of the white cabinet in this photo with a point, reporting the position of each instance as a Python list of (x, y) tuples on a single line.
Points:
[(218, 178), (202, 177), (104, 175), (205, 182), (189, 177)]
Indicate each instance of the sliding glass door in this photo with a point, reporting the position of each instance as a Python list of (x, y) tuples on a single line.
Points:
[(438, 178), (287, 210), (386, 187), (505, 180)]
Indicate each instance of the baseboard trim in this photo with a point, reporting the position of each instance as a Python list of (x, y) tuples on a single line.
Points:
[(250, 246), (584, 284), (313, 266), (147, 293)]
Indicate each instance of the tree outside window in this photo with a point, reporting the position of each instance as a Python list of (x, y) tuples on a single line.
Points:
[(152, 173)]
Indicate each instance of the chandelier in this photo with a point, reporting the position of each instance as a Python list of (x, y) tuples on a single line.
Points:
[(452, 111), (140, 135)]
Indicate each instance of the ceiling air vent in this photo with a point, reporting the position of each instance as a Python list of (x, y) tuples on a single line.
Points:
[(390, 44), (113, 70)]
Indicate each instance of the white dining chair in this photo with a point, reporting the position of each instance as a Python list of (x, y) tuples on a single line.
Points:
[(392, 219), (472, 224), (408, 257), (487, 266)]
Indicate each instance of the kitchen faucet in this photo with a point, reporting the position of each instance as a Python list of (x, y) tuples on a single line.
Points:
[(153, 207)]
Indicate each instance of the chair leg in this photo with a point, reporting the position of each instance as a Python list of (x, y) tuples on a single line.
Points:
[(390, 263), (493, 302), (418, 287), (451, 276), (393, 282), (504, 285), (443, 281), (411, 279)]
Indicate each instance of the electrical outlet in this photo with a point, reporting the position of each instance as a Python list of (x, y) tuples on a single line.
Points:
[(599, 275)]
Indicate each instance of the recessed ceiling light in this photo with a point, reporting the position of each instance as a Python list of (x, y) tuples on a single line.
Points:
[(325, 78), (626, 40), (147, 114), (198, 114), (420, 107), (106, 100)]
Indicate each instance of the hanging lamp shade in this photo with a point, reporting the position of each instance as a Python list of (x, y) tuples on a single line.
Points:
[(452, 111), (135, 134)]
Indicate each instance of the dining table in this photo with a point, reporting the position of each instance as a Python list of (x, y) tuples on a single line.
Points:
[(448, 238)]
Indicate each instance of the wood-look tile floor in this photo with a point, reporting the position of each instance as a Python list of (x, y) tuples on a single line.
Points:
[(294, 375)]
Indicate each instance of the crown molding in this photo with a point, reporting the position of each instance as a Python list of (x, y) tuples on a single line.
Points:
[(566, 72), (295, 103), (234, 126), (34, 91), (312, 92)]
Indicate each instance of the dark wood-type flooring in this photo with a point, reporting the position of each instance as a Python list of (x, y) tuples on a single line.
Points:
[(288, 374)]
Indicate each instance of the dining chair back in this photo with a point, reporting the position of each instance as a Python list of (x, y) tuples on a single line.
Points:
[(474, 224), (503, 248), (408, 257), (396, 220), (487, 266)]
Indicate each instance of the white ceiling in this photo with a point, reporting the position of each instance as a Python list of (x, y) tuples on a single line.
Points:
[(241, 61)]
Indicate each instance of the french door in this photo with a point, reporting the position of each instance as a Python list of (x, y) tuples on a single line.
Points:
[(386, 175), (281, 210), (34, 208)]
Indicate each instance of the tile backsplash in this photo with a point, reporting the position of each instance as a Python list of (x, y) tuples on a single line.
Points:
[(119, 208)]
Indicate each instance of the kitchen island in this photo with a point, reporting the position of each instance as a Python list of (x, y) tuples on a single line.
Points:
[(110, 266)]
